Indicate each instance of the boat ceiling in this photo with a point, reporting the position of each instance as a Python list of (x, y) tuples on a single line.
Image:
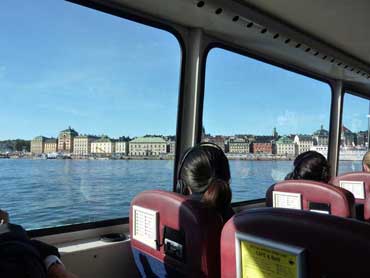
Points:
[(341, 23), (320, 37)]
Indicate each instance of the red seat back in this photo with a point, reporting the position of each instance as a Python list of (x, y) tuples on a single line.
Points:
[(334, 246), (341, 201), (357, 176), (200, 226)]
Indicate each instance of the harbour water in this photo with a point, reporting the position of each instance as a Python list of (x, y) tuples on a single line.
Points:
[(49, 193)]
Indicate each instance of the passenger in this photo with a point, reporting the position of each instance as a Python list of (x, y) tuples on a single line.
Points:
[(366, 162), (21, 257), (204, 173), (310, 165)]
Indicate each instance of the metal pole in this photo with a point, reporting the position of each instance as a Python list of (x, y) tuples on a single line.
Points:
[(335, 126)]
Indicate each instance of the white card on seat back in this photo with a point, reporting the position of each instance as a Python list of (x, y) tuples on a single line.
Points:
[(356, 187), (145, 226), (286, 200)]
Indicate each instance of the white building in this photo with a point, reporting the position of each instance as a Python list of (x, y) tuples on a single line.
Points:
[(82, 144), (121, 147), (238, 146), (285, 146), (323, 149), (103, 145), (303, 143), (147, 146)]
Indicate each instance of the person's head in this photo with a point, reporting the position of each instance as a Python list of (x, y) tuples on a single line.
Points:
[(366, 162), (205, 170), (310, 165)]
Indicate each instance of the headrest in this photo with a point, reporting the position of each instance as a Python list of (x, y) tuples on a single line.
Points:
[(334, 246), (340, 201), (199, 226)]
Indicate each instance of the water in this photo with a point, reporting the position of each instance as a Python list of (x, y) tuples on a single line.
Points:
[(48, 193)]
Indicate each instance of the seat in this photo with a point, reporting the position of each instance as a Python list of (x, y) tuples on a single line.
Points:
[(362, 195), (331, 246), (318, 196), (187, 237)]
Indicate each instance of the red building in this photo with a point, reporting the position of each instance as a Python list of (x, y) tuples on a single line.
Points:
[(262, 148)]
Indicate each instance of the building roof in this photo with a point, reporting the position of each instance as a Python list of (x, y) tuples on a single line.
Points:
[(104, 139), (51, 141), (321, 132), (264, 139), (148, 140), (304, 137), (39, 138), (284, 140), (345, 130), (238, 140), (87, 136), (69, 130)]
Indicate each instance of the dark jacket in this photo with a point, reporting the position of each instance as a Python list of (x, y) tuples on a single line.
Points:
[(21, 257)]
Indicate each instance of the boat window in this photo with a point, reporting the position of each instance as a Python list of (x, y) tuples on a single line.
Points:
[(354, 139), (262, 116), (88, 112)]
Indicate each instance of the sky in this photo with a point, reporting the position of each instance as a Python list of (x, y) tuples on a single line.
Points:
[(64, 65)]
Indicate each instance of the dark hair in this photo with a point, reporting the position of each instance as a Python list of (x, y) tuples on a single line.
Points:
[(206, 170), (310, 165)]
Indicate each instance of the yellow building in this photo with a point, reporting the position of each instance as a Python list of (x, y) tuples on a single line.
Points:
[(82, 144), (50, 145), (37, 144)]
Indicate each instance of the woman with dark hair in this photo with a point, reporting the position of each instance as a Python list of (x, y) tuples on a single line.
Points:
[(204, 173), (310, 165)]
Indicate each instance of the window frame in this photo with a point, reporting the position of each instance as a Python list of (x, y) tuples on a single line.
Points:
[(116, 11), (274, 62), (347, 90)]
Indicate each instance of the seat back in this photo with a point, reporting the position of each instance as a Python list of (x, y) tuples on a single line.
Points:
[(314, 195), (332, 246), (361, 190), (188, 236)]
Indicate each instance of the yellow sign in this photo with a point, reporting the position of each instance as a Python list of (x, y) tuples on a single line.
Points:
[(259, 261)]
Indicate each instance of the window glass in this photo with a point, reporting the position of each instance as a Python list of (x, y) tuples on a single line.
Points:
[(354, 133), (262, 116), (80, 93)]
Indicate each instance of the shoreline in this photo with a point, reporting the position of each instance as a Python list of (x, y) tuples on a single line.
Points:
[(262, 158)]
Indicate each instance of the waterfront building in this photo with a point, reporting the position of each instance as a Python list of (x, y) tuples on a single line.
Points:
[(321, 136), (65, 140), (238, 146), (285, 146), (121, 147), (262, 145), (104, 146), (147, 146), (323, 149), (82, 144), (171, 147), (303, 143), (347, 137), (37, 144), (362, 138), (219, 140), (50, 145)]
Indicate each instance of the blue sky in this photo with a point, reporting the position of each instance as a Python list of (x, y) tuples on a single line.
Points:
[(64, 65)]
